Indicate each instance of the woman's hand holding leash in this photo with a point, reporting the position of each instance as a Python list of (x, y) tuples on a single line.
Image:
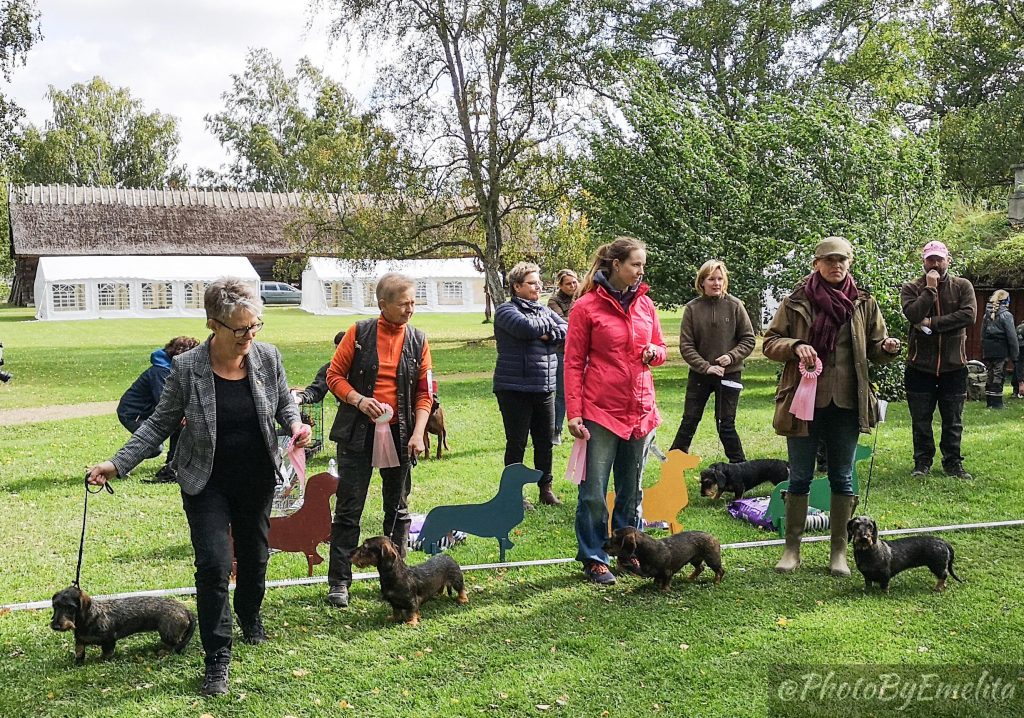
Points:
[(100, 474)]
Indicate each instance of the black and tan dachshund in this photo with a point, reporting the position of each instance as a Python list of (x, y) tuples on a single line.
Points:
[(878, 560), (406, 588), (103, 623), (741, 477), (661, 559)]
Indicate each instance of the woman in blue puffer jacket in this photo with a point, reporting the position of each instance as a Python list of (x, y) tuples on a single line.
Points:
[(527, 334)]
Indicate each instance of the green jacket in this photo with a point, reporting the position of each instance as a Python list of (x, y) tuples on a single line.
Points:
[(713, 326), (791, 327), (952, 307)]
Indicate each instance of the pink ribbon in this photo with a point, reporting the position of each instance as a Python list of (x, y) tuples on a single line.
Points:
[(576, 470), (385, 454), (802, 406), (297, 457)]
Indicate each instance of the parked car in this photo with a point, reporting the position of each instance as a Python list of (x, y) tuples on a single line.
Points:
[(279, 293)]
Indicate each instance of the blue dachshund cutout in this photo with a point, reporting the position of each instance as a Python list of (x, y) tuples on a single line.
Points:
[(495, 518)]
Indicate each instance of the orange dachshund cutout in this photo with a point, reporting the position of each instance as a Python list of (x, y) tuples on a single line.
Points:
[(664, 500)]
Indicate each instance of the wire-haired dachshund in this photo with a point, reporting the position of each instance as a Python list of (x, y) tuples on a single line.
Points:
[(102, 623), (661, 559), (880, 560), (407, 587), (741, 477)]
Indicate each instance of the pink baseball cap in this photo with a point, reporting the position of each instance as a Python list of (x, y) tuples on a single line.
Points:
[(935, 249)]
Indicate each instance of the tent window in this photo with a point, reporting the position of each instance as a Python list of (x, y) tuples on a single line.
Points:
[(421, 292), (369, 295), (338, 294), (156, 295), (194, 293), (451, 293), (68, 297), (114, 296)]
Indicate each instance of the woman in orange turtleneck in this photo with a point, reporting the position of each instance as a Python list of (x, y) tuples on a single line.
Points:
[(381, 365)]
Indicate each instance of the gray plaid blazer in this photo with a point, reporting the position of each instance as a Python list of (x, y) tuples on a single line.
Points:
[(189, 394)]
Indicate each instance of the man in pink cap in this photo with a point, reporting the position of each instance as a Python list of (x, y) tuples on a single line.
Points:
[(939, 307)]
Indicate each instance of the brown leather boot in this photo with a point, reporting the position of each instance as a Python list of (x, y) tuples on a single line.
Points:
[(840, 510), (796, 519), (547, 497)]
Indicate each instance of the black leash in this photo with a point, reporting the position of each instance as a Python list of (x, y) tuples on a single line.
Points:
[(85, 511)]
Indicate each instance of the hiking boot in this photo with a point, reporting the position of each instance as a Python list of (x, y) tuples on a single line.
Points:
[(215, 682), (253, 632), (547, 497), (629, 565), (958, 471), (921, 470), (597, 572), (337, 596)]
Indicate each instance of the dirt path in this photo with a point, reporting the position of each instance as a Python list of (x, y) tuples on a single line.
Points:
[(29, 415)]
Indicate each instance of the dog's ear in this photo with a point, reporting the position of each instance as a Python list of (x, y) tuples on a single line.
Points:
[(388, 552), (874, 531), (849, 528), (629, 541), (721, 479), (84, 601)]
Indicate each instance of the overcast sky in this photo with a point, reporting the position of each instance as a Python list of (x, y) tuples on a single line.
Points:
[(175, 56)]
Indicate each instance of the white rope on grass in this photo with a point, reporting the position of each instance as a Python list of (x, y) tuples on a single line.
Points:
[(190, 590)]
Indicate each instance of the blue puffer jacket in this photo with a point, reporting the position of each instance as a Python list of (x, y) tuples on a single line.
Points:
[(143, 395), (525, 361)]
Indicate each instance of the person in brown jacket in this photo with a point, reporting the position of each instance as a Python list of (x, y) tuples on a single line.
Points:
[(561, 304), (939, 307), (714, 339), (826, 318)]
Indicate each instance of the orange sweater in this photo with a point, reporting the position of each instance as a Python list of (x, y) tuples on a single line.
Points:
[(390, 338)]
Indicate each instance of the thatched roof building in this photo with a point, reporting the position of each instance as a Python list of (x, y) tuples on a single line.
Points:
[(61, 220)]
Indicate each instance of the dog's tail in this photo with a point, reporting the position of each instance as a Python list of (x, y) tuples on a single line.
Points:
[(188, 633), (444, 439), (949, 566)]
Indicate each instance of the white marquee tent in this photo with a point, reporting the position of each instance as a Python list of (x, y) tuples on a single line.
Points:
[(119, 287), (332, 286)]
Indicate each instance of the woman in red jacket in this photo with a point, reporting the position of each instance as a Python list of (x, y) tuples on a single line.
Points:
[(614, 339)]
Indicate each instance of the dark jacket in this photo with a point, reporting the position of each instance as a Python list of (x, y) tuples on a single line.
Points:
[(713, 326), (525, 361), (350, 424), (952, 307), (315, 392), (561, 304), (998, 336), (144, 394), (189, 394), (792, 326)]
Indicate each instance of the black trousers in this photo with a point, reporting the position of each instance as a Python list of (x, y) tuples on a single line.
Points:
[(354, 472), (216, 517), (699, 388), (528, 414), (947, 391)]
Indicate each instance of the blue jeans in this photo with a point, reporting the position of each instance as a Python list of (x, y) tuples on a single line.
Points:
[(839, 429), (560, 394), (606, 453)]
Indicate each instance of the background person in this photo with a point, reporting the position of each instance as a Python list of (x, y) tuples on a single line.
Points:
[(380, 362), (1018, 364), (229, 390), (318, 389), (826, 317), (561, 304), (527, 334), (998, 343), (940, 307), (614, 339), (715, 337), (138, 403)]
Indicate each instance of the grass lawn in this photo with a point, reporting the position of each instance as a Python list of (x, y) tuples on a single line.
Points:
[(532, 641)]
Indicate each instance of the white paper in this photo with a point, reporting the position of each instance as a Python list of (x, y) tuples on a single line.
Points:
[(731, 384), (883, 406)]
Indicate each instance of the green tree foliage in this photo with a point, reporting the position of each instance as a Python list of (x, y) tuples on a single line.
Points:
[(303, 132), (101, 135)]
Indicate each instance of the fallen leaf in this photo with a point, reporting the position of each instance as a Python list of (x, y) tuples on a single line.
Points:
[(684, 646), (562, 700), (783, 621), (343, 704), (300, 672), (542, 707)]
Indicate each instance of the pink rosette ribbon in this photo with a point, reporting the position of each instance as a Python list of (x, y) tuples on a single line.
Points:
[(385, 455), (576, 470), (297, 456), (802, 406)]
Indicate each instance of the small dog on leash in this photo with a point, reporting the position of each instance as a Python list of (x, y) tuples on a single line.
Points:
[(741, 477), (406, 588), (661, 559), (103, 623), (878, 560), (436, 425)]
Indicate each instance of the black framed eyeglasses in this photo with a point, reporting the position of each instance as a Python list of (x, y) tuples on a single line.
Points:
[(241, 331)]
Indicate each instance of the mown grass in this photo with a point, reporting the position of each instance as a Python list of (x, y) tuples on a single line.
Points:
[(530, 636)]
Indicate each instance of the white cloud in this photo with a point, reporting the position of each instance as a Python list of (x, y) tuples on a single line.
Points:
[(176, 57)]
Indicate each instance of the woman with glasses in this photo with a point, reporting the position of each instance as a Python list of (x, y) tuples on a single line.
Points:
[(528, 335), (230, 391)]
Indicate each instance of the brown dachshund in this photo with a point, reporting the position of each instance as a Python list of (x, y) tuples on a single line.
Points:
[(662, 559)]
